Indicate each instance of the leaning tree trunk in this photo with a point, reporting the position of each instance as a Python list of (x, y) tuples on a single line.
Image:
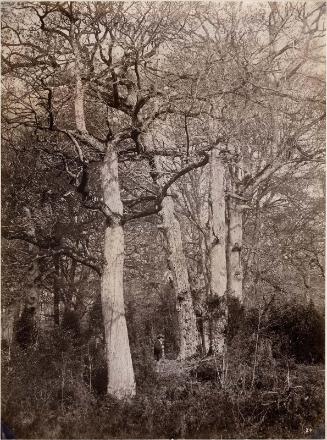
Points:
[(188, 334), (217, 253), (121, 381)]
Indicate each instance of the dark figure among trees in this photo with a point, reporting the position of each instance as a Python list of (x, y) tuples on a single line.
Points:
[(158, 348)]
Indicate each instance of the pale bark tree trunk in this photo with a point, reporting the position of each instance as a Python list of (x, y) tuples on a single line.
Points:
[(234, 236), (79, 86), (234, 272), (121, 381), (186, 317), (188, 334), (217, 252), (252, 269), (205, 271)]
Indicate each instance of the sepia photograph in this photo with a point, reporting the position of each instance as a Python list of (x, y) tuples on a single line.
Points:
[(163, 219)]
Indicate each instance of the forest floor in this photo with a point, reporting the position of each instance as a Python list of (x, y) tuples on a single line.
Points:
[(285, 408), (175, 399), (184, 368), (173, 367)]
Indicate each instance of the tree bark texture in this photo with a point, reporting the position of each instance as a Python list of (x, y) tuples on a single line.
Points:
[(79, 86), (32, 298), (217, 253), (79, 103), (234, 247), (121, 381), (205, 272), (188, 333)]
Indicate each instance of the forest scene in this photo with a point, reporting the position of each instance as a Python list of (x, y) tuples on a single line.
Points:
[(163, 218)]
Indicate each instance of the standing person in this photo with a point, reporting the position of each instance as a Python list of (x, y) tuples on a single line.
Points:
[(159, 348)]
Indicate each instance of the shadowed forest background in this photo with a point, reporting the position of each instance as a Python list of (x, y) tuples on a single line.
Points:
[(163, 180)]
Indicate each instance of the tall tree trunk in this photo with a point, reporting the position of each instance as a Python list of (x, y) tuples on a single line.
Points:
[(188, 333), (251, 269), (79, 86), (217, 253), (188, 339), (32, 298), (121, 381), (205, 272), (234, 247)]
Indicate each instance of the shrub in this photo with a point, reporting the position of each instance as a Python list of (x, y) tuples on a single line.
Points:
[(298, 331)]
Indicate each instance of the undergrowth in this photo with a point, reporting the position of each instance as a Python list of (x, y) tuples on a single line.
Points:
[(50, 391)]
